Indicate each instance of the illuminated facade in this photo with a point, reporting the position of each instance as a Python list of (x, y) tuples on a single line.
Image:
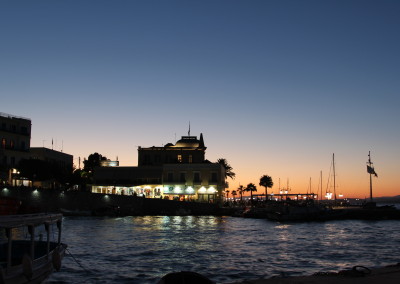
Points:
[(178, 172)]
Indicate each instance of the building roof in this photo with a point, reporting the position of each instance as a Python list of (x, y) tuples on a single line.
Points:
[(11, 116), (184, 142), (190, 142)]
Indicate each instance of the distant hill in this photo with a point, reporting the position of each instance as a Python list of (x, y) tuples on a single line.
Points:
[(388, 199)]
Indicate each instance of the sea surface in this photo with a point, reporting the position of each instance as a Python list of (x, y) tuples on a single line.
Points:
[(224, 249)]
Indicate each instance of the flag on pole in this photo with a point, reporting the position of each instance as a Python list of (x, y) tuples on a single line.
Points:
[(371, 171)]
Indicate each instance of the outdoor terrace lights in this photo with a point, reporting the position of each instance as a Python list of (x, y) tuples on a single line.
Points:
[(202, 189), (35, 192), (190, 189), (177, 189)]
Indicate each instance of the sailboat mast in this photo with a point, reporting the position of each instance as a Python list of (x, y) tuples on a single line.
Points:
[(334, 177), (320, 198), (370, 176)]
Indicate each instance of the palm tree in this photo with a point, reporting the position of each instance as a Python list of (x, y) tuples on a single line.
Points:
[(228, 168), (234, 193), (251, 187), (227, 194), (266, 181), (241, 190)]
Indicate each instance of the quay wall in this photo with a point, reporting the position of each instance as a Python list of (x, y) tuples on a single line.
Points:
[(46, 200)]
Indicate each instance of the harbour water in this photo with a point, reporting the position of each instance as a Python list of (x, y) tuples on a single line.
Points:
[(225, 249)]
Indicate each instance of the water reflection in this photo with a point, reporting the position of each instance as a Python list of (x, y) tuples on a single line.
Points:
[(142, 249)]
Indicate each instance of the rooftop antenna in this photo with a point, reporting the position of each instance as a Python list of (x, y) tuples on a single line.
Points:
[(189, 129)]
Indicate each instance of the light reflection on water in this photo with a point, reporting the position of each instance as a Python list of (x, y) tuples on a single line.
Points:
[(225, 249)]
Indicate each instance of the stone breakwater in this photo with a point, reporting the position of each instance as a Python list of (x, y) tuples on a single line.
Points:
[(85, 203)]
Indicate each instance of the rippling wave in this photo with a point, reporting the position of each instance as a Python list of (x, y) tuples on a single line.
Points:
[(225, 249)]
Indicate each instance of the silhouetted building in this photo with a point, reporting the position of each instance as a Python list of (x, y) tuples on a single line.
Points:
[(60, 159), (15, 135), (188, 149)]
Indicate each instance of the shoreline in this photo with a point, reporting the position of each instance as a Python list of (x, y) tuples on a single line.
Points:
[(388, 274)]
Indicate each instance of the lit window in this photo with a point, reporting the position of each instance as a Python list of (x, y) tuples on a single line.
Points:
[(3, 143), (180, 158)]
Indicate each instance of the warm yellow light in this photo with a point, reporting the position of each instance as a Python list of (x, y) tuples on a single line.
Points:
[(211, 189)]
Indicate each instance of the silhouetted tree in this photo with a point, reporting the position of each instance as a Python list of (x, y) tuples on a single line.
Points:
[(251, 187), (228, 168), (266, 181), (78, 178), (227, 194), (92, 161), (241, 190), (234, 193)]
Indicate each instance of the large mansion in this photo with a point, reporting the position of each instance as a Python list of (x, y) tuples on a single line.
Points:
[(178, 172)]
